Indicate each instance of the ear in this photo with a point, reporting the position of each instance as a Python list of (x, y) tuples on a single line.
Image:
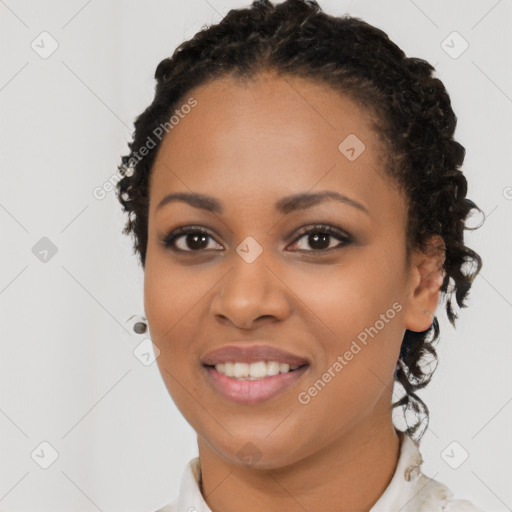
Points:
[(425, 279)]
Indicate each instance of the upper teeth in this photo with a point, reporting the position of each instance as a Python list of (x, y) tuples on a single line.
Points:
[(253, 371)]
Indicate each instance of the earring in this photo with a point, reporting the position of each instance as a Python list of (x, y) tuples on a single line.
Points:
[(140, 325)]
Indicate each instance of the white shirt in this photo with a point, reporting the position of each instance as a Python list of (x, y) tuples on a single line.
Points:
[(408, 491)]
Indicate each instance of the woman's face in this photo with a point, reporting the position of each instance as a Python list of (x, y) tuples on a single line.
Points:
[(338, 303)]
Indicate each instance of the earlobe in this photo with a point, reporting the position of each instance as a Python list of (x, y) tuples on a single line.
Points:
[(424, 286)]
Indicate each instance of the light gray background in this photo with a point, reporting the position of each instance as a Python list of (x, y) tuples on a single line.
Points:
[(68, 375)]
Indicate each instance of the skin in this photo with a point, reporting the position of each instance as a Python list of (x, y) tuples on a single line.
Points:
[(249, 145)]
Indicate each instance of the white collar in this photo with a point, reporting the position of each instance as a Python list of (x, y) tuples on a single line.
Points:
[(408, 491)]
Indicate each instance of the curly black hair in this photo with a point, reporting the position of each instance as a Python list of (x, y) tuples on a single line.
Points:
[(411, 114)]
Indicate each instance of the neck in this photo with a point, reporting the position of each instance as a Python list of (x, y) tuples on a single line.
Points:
[(349, 474)]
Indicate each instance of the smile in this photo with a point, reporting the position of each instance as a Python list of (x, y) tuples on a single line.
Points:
[(253, 371), (252, 383)]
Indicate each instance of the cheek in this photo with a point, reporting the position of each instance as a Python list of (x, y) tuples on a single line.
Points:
[(357, 365), (171, 323), (345, 299), (169, 298), (357, 316), (166, 315)]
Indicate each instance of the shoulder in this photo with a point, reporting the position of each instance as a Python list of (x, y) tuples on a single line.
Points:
[(410, 490), (189, 498), (461, 506), (433, 495)]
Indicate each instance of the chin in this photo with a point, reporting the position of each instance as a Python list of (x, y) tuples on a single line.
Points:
[(256, 450)]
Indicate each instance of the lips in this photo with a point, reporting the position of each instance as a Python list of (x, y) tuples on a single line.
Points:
[(251, 354)]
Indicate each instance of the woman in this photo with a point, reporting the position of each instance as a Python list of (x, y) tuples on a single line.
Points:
[(296, 202)]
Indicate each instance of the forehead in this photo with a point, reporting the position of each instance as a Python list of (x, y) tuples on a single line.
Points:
[(266, 138)]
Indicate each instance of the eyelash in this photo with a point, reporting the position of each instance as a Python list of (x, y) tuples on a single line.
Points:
[(169, 239)]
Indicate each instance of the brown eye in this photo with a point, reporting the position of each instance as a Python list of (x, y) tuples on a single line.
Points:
[(319, 238), (195, 239)]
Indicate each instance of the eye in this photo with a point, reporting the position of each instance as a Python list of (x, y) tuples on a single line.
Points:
[(195, 239), (319, 235)]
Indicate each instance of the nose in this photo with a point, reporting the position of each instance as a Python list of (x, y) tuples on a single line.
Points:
[(250, 294)]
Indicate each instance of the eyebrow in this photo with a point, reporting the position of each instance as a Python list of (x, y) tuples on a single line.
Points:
[(285, 205)]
